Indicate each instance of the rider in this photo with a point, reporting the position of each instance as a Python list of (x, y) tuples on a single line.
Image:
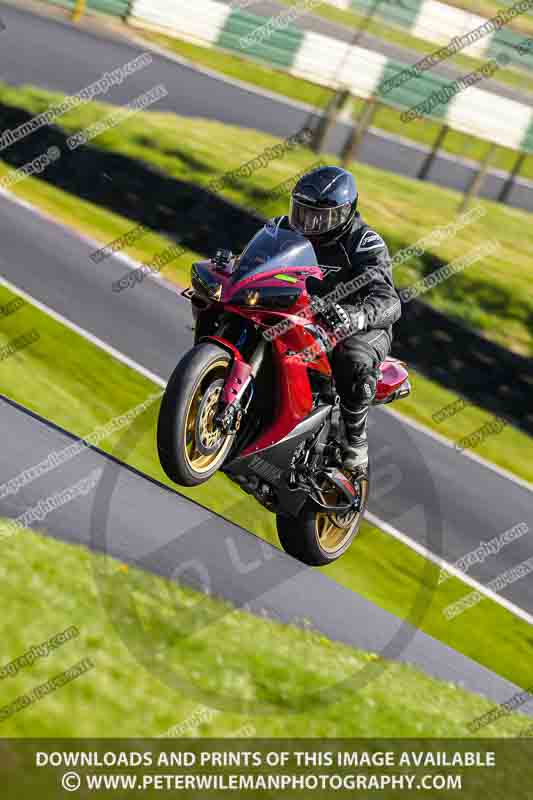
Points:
[(324, 209)]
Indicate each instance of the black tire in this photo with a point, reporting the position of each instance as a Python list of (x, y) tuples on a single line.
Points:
[(193, 371), (299, 536)]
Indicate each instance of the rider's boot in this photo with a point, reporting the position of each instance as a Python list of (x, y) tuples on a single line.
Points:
[(355, 445)]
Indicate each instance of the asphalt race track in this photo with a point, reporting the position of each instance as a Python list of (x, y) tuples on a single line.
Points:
[(59, 56)]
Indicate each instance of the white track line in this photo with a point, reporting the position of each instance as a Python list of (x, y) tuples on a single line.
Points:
[(374, 520), (466, 453), (445, 565), (85, 334)]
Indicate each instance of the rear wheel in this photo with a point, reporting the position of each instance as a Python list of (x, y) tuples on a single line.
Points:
[(190, 445), (317, 537)]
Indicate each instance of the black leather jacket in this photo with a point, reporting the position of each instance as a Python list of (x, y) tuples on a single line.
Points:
[(362, 255)]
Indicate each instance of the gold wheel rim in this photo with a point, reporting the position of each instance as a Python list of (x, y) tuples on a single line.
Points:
[(201, 462), (331, 535)]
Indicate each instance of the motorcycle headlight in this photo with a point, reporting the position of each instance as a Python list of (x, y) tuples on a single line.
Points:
[(275, 297), (251, 297)]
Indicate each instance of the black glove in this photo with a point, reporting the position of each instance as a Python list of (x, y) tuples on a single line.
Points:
[(340, 318)]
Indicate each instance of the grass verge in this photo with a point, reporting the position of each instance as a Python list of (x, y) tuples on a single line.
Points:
[(49, 586), (71, 382)]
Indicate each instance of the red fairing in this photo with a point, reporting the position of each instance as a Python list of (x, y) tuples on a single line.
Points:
[(393, 374), (294, 399), (305, 350), (267, 278), (294, 350)]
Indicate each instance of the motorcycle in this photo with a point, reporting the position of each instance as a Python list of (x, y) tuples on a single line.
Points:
[(255, 399)]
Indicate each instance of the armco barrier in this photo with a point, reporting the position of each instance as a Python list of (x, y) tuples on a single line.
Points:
[(442, 348), (333, 63)]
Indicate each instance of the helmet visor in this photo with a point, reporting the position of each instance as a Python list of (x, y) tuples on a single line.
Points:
[(312, 221)]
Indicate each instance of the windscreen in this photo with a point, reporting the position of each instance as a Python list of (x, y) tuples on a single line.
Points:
[(273, 247)]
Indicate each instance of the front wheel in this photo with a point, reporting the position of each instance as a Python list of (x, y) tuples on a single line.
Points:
[(317, 537), (190, 445)]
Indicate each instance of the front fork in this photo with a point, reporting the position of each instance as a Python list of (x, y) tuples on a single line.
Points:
[(231, 409), (239, 380)]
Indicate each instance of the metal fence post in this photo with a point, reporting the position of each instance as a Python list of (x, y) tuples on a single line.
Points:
[(78, 10), (430, 158), (477, 180), (509, 183), (128, 11), (357, 134), (328, 119)]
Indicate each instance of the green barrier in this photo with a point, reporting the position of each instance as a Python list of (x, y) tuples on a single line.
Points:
[(403, 13), (115, 8), (62, 3), (413, 91), (277, 45), (527, 144), (506, 41)]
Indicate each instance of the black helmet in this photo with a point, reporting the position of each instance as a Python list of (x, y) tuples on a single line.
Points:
[(324, 203)]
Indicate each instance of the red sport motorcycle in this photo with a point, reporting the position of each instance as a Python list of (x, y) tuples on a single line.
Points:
[(255, 398)]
